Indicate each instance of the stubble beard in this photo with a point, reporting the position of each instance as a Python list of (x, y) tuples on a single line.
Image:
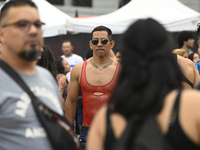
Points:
[(68, 54)]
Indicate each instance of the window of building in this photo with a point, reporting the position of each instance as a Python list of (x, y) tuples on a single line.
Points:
[(56, 2), (86, 3)]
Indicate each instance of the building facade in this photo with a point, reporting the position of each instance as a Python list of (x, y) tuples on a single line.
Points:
[(83, 8)]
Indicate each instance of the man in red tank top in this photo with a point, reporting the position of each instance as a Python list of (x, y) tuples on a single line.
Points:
[(96, 77)]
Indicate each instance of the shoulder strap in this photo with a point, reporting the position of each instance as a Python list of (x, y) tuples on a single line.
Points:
[(175, 111), (183, 78), (108, 117), (177, 102), (44, 114), (13, 74), (110, 138), (83, 73)]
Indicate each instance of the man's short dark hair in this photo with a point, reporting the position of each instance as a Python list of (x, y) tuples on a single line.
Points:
[(184, 36), (103, 28), (65, 41), (15, 3)]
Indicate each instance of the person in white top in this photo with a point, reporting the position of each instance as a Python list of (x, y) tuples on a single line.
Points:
[(72, 58)]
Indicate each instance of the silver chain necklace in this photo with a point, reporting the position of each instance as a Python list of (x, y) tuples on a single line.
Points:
[(105, 66)]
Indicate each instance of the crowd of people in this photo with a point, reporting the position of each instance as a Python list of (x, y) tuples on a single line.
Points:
[(186, 43), (107, 97)]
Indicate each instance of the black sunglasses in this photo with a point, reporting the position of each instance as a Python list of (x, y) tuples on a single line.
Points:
[(96, 41)]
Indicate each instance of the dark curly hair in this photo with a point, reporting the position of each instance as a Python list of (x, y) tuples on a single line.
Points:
[(47, 61), (59, 64)]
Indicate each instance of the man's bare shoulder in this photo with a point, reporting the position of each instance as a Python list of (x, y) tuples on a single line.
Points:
[(78, 66), (115, 62), (76, 69), (185, 61)]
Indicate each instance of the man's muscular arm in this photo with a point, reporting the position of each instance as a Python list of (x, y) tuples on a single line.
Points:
[(72, 93)]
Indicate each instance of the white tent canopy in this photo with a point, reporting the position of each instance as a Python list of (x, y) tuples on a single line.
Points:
[(171, 13), (54, 18)]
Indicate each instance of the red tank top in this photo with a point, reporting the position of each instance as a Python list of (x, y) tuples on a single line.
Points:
[(92, 102)]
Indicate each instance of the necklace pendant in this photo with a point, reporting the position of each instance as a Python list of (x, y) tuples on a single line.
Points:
[(105, 66)]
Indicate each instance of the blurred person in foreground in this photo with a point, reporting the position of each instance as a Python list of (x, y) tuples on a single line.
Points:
[(149, 84), (21, 38)]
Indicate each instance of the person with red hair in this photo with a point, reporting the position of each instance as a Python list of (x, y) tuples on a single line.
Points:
[(194, 57)]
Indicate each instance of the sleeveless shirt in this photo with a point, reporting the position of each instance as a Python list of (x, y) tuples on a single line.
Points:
[(92, 102)]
